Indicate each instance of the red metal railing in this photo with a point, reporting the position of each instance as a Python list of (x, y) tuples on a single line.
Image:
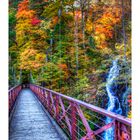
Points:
[(82, 121), (13, 93)]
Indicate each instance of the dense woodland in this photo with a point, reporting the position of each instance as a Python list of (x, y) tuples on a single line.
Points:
[(69, 45)]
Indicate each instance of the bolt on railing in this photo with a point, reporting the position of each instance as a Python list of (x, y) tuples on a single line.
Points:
[(80, 120)]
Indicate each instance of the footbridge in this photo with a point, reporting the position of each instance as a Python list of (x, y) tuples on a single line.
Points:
[(37, 113)]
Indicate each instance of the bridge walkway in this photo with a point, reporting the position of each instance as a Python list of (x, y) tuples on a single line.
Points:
[(29, 121)]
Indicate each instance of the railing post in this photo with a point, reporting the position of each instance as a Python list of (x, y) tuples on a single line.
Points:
[(40, 93), (10, 101), (45, 99), (57, 106), (43, 96), (117, 130), (12, 97), (73, 121), (48, 102)]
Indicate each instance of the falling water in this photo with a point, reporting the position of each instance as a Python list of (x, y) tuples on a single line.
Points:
[(113, 104)]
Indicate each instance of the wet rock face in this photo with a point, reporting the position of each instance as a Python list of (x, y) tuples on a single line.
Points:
[(118, 89), (121, 88), (101, 100)]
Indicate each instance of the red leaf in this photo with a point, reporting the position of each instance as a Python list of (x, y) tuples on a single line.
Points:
[(35, 21)]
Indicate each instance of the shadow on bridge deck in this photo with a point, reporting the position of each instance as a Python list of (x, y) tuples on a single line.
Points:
[(30, 122)]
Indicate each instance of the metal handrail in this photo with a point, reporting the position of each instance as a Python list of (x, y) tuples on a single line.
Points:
[(13, 88), (13, 93), (69, 114), (102, 111)]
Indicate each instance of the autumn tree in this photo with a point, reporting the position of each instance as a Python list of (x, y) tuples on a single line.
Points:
[(30, 38), (69, 45)]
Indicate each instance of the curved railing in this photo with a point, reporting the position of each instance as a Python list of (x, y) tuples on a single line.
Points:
[(80, 120), (13, 93)]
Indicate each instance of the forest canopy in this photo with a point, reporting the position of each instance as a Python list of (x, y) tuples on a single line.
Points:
[(69, 45)]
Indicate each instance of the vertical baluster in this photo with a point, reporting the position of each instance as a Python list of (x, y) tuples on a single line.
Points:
[(46, 97), (40, 93), (57, 106), (14, 95), (43, 97), (37, 91), (117, 131), (48, 101), (52, 110), (10, 100), (73, 121)]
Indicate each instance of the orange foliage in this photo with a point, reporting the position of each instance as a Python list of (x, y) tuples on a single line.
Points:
[(23, 5), (54, 21), (104, 26), (63, 66), (25, 13), (78, 15)]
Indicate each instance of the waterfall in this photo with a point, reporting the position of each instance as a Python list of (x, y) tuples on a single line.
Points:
[(113, 103)]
